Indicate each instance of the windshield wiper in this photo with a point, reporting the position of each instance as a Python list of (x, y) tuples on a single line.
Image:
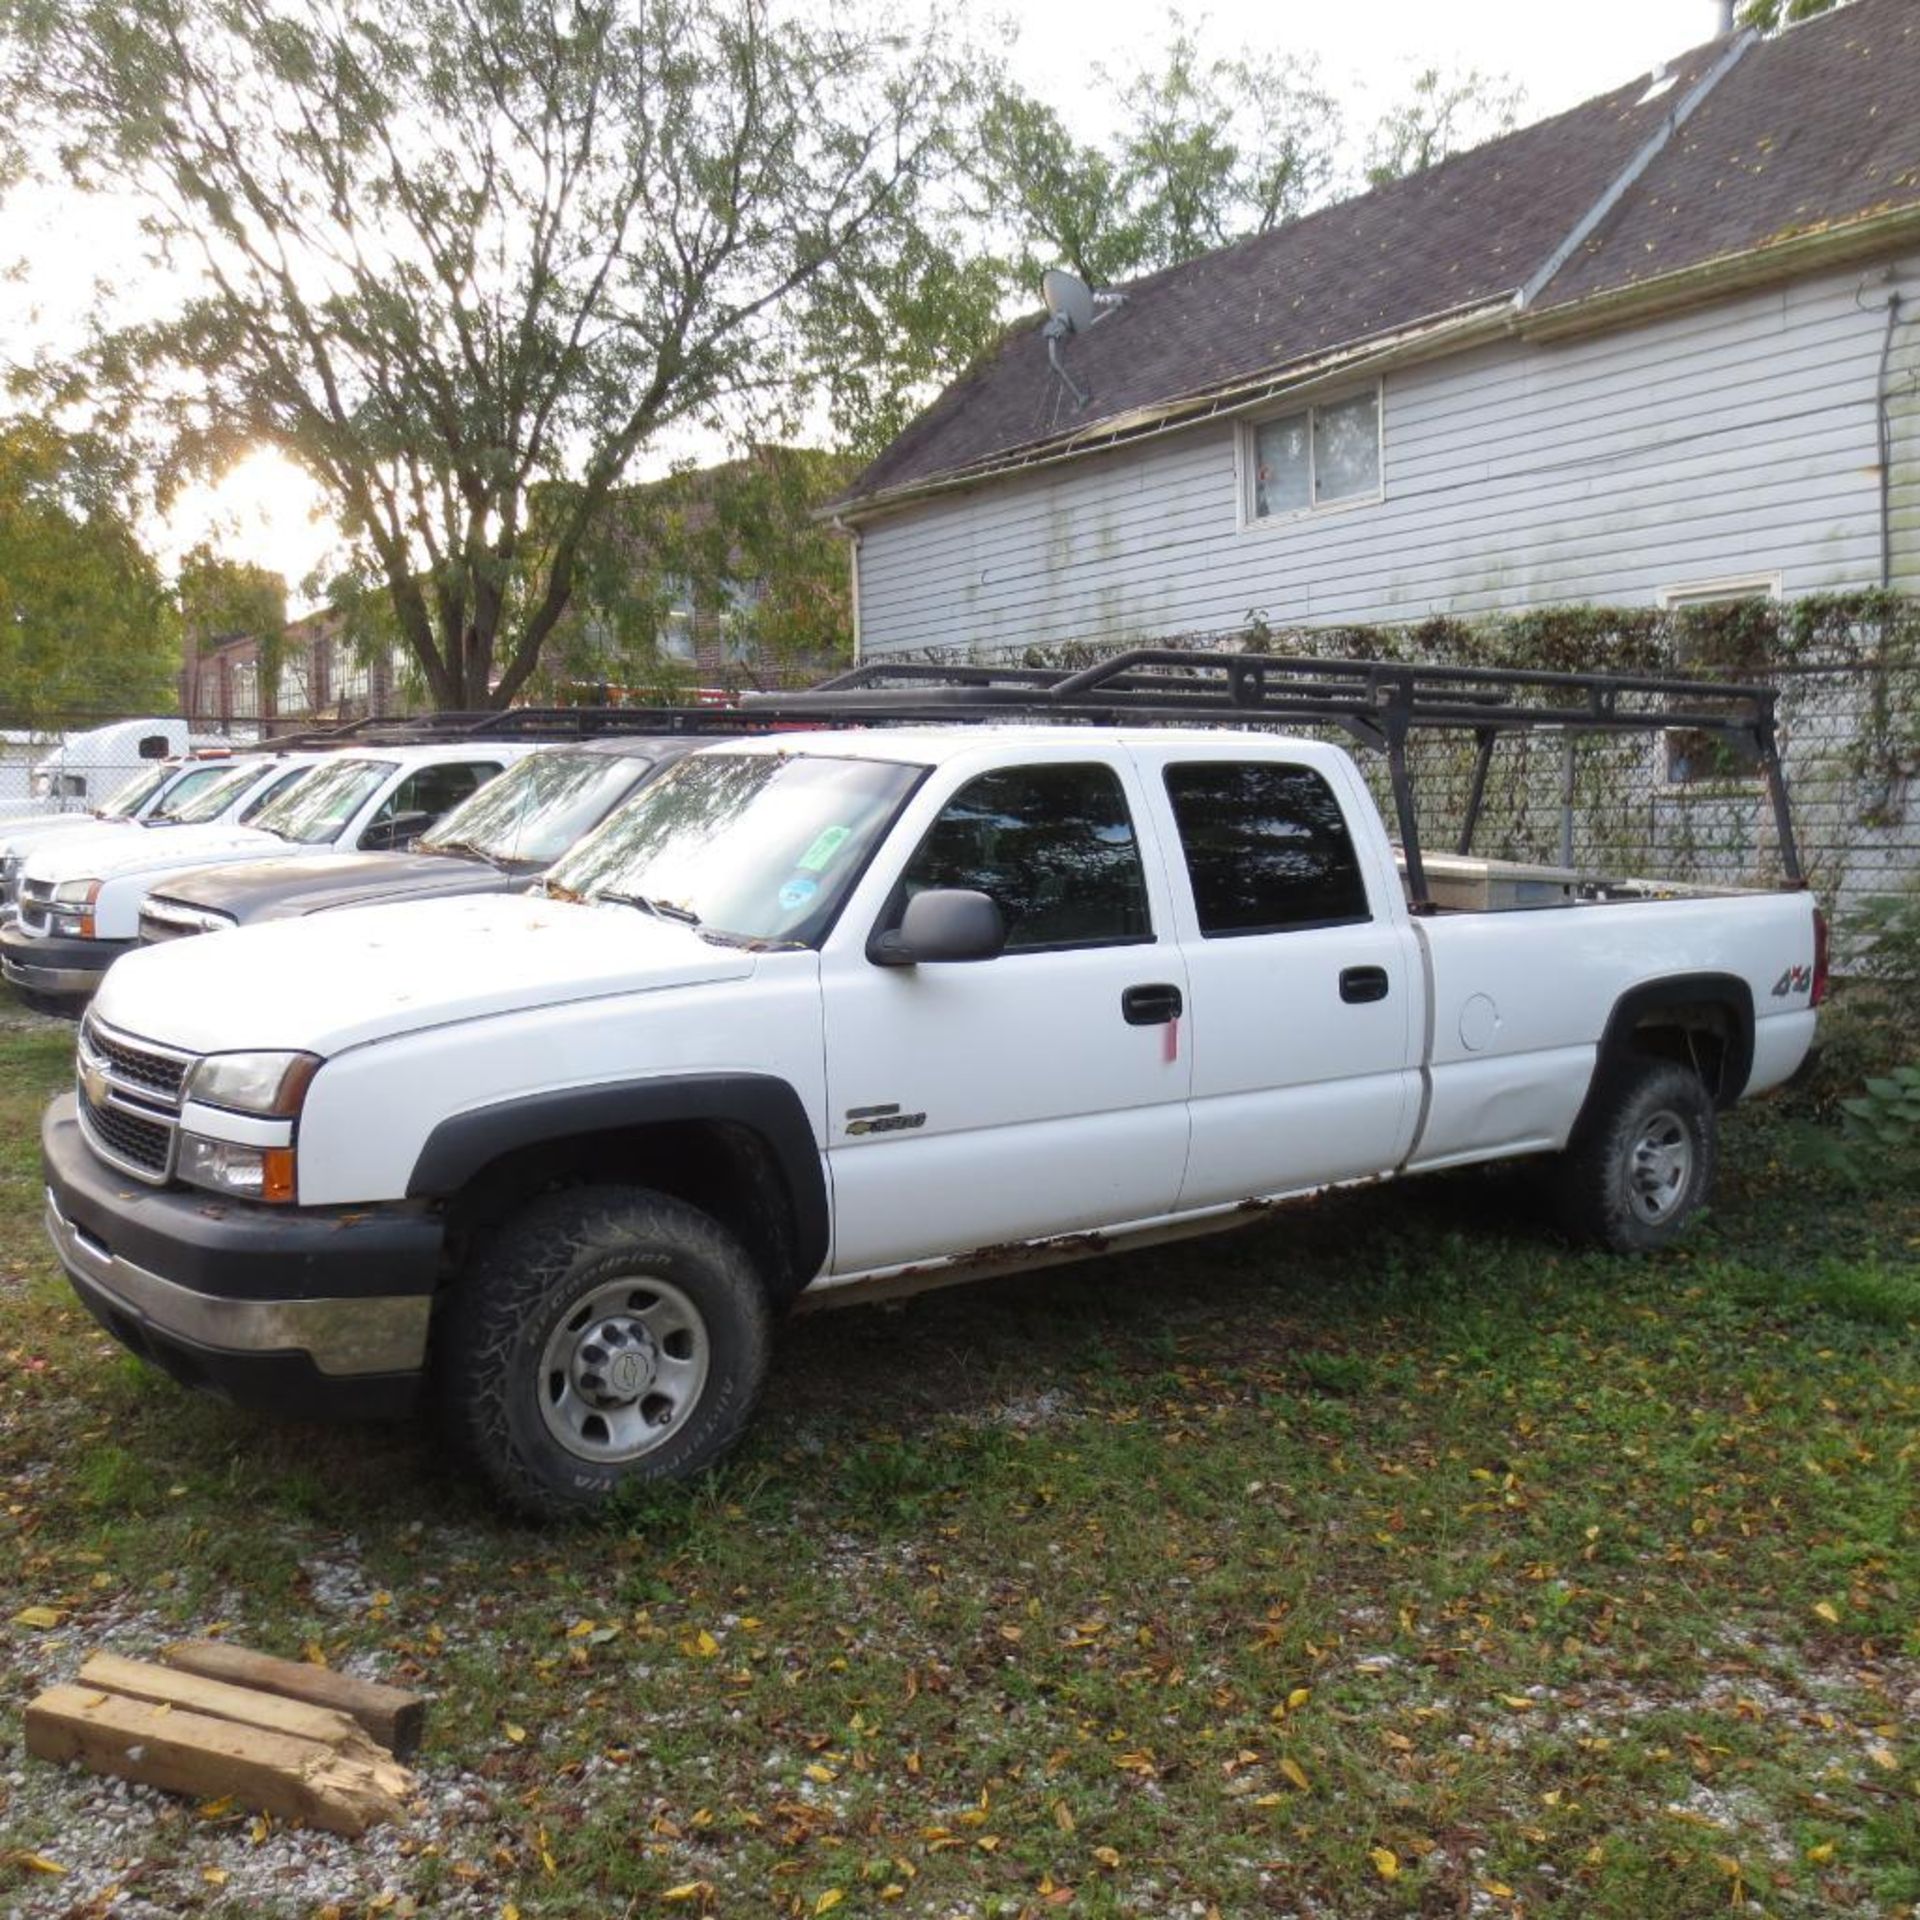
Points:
[(660, 909), (466, 850)]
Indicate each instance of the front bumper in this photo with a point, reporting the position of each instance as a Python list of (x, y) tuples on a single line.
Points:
[(56, 966), (314, 1312)]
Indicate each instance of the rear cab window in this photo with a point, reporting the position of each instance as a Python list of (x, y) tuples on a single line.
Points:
[(1267, 848)]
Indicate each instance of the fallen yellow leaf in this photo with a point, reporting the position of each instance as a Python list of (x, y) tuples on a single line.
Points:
[(1386, 1863), (1827, 1611), (1296, 1774), (828, 1901), (1821, 1854), (687, 1890), (42, 1617), (1108, 1858), (513, 1733), (38, 1863)]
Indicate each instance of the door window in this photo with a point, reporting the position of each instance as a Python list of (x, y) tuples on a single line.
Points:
[(432, 790), (1267, 848), (1052, 846)]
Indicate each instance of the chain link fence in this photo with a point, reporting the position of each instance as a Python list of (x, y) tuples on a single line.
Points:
[(1667, 804)]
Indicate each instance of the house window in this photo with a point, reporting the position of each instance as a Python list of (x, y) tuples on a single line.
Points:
[(673, 638), (1324, 456)]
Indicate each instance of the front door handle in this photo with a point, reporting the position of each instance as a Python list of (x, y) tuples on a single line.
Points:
[(1151, 1006), (1361, 984)]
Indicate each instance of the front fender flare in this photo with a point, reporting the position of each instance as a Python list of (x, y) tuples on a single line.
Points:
[(460, 1147)]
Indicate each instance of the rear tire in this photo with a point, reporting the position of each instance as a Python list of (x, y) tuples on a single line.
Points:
[(604, 1338), (1641, 1162)]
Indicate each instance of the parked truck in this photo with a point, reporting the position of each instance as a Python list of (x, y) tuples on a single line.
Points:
[(820, 1015)]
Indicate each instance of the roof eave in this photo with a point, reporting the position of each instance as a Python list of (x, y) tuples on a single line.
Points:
[(1779, 257)]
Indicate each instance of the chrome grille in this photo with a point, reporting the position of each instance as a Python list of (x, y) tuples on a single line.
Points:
[(36, 905), (130, 1097), (128, 1139)]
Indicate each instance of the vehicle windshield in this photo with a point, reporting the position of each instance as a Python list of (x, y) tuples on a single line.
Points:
[(125, 802), (314, 809), (538, 808), (751, 846), (211, 799), (190, 786)]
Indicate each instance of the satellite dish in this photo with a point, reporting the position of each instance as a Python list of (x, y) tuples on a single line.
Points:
[(1068, 298)]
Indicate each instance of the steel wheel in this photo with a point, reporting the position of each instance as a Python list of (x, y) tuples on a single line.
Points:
[(1660, 1169), (623, 1368)]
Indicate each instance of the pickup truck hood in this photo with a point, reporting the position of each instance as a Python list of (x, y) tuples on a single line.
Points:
[(285, 889), (26, 836), (327, 984), (112, 856)]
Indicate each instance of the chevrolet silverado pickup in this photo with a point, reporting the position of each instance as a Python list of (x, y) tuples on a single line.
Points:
[(830, 1013), (79, 902), (499, 838)]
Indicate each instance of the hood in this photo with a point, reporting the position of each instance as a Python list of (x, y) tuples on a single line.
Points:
[(342, 980), (23, 836), (113, 855), (285, 889)]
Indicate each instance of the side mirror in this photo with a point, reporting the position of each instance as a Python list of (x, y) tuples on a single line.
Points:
[(944, 923), (400, 831)]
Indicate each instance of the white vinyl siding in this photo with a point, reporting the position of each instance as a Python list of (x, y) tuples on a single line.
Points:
[(1729, 442)]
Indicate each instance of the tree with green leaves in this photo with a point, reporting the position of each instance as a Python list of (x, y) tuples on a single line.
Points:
[(86, 624), (1441, 114), (455, 256), (1771, 15)]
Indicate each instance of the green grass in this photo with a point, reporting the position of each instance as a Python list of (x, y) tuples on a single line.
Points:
[(1390, 1558)]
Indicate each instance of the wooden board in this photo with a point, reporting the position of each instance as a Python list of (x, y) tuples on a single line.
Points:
[(393, 1716), (172, 1687), (172, 1747)]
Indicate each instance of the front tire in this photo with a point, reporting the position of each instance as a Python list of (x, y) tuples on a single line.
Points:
[(604, 1338), (1641, 1162)]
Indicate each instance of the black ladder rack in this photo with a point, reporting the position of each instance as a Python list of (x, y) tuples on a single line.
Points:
[(1377, 703)]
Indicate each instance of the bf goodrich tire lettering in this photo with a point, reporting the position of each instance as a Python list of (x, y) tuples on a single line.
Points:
[(604, 1338)]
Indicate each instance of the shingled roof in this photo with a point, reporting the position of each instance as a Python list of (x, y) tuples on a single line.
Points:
[(1814, 130)]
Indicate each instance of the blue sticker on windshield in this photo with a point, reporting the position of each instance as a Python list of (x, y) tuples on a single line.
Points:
[(797, 892)]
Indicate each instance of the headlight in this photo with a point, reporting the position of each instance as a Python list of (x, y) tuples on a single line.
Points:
[(251, 1173), (267, 1083), (72, 912)]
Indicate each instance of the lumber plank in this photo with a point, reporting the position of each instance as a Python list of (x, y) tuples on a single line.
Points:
[(174, 1687), (186, 1752), (393, 1716)]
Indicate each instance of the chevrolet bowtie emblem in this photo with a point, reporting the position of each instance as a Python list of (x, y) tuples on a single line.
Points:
[(93, 1083)]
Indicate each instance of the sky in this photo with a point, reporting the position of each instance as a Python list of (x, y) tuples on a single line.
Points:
[(1368, 50)]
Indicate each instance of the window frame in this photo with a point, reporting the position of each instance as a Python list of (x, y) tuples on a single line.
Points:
[(894, 906), (1365, 918), (1247, 458), (1676, 775)]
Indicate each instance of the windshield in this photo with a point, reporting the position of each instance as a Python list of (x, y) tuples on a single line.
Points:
[(126, 801), (760, 846), (191, 784), (538, 808), (314, 809), (212, 798)]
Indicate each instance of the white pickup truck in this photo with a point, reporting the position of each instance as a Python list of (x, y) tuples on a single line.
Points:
[(835, 1012)]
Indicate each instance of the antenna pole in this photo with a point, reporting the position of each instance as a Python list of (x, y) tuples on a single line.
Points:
[(1053, 360)]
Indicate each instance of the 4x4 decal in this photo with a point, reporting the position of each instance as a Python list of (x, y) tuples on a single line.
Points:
[(1794, 980)]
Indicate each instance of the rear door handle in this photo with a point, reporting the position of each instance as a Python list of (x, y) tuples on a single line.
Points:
[(1151, 1006), (1360, 984)]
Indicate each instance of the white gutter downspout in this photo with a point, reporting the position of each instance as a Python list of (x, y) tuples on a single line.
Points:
[(1536, 282), (852, 536)]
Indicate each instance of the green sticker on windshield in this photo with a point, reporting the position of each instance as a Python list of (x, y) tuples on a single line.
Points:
[(817, 856)]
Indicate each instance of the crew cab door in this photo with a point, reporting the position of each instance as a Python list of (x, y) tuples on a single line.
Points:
[(1037, 1093), (1307, 1003)]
